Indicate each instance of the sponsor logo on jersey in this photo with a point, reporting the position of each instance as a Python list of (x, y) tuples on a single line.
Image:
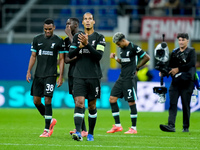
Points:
[(50, 53), (125, 60), (84, 51), (43, 52)]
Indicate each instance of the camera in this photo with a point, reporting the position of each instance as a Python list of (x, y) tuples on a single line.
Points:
[(161, 54)]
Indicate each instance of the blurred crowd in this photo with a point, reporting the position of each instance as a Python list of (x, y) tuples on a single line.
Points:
[(156, 7)]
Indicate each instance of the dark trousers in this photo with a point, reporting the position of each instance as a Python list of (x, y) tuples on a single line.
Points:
[(184, 90)]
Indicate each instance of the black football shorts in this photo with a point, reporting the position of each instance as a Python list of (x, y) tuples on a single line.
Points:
[(43, 86), (70, 84), (126, 88), (89, 88)]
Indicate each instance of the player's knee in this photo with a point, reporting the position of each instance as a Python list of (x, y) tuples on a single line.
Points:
[(92, 105), (79, 103), (48, 100), (113, 99), (131, 103), (37, 100)]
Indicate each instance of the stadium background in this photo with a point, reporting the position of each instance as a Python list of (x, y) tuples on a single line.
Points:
[(21, 20)]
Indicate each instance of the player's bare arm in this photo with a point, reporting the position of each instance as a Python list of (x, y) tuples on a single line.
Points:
[(144, 60), (30, 66), (67, 59), (61, 66)]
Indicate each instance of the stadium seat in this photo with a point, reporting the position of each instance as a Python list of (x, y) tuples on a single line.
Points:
[(60, 22), (80, 12), (74, 2), (132, 2), (135, 13), (198, 8), (108, 12), (108, 23), (94, 2), (112, 12), (66, 11), (102, 11), (106, 2), (84, 2)]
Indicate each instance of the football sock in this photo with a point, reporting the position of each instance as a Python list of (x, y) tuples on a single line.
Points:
[(40, 108), (83, 123), (47, 130), (115, 112), (134, 128), (78, 118), (48, 115), (118, 125), (133, 115), (92, 117)]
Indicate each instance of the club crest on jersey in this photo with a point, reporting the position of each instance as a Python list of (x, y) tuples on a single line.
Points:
[(52, 45), (93, 42), (81, 51)]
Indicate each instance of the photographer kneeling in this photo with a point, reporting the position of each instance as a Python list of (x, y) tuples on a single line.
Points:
[(182, 61)]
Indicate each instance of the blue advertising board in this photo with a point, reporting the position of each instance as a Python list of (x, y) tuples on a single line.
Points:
[(16, 94), (14, 61)]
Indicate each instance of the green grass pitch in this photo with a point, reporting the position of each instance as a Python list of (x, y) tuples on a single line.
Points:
[(20, 129)]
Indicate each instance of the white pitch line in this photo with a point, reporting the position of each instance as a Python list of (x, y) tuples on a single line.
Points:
[(141, 136), (102, 146)]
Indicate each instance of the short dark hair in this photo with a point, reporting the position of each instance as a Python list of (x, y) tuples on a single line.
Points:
[(75, 20), (88, 13), (183, 35), (48, 21)]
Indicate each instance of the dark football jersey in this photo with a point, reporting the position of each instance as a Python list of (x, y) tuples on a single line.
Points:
[(47, 50), (129, 57), (87, 64), (72, 63)]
